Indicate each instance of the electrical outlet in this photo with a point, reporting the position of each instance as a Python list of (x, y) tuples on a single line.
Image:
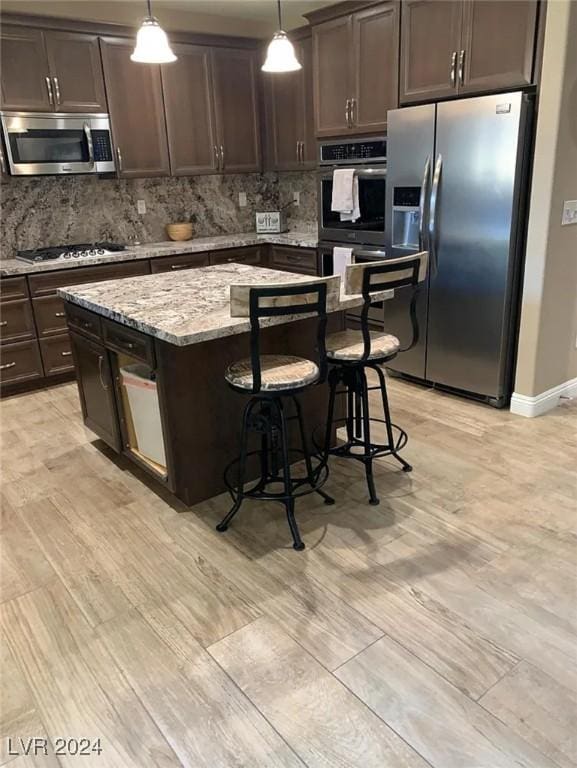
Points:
[(242, 199), (297, 198), (141, 207), (569, 212)]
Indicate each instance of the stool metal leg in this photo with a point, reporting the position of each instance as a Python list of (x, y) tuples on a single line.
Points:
[(225, 522), (333, 384), (289, 501), (384, 395), (368, 461), (308, 463)]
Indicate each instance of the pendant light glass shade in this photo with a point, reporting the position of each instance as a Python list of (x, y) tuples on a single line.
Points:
[(152, 46), (280, 55)]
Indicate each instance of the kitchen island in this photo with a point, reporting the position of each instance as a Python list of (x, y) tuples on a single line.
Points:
[(176, 328)]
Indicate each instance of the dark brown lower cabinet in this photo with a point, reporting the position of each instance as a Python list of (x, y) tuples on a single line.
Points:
[(300, 260), (247, 255), (96, 389), (20, 363), (56, 355), (183, 261)]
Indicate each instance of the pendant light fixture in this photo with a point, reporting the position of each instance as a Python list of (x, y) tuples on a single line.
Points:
[(152, 46), (280, 55)]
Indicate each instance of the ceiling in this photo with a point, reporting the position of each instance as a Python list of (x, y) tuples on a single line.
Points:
[(256, 18)]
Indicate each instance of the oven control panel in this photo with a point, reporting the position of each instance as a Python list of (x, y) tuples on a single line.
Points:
[(353, 152)]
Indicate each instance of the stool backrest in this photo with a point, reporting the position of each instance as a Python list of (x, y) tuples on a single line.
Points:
[(371, 277), (283, 300)]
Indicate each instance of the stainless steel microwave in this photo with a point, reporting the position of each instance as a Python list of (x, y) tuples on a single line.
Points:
[(39, 143)]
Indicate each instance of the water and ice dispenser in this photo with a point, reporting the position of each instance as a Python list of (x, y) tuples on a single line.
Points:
[(406, 218)]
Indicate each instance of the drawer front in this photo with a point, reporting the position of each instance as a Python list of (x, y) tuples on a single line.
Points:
[(16, 321), (250, 255), (45, 284), (129, 342), (84, 321), (302, 260), (50, 315), (174, 263), (56, 354), (20, 362), (13, 288)]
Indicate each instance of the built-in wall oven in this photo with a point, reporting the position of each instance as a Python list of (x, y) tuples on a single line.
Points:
[(368, 157), (38, 143)]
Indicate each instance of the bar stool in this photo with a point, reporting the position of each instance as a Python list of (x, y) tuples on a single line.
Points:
[(274, 380), (351, 352)]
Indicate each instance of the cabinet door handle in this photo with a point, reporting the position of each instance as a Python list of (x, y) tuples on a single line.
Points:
[(103, 384), (66, 354), (348, 113), (4, 323), (216, 158), (119, 158), (60, 314), (3, 168), (7, 365), (56, 91), (49, 89), (462, 68), (453, 70), (221, 157), (353, 112), (180, 266)]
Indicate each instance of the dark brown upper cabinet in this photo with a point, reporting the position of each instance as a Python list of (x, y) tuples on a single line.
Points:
[(136, 111), (355, 70), (498, 40), (459, 47), (236, 109), (289, 114), (51, 71), (74, 61), (190, 118)]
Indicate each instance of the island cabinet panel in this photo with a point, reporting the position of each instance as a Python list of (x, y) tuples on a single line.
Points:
[(96, 389), (136, 111), (290, 118), (497, 44), (253, 254), (76, 68), (24, 74), (190, 114), (237, 113), (430, 45), (182, 261), (375, 34), (332, 72)]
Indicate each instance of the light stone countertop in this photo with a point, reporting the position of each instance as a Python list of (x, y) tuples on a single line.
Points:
[(10, 267), (189, 306)]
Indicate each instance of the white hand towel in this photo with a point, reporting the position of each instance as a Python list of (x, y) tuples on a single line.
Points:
[(355, 212), (342, 257), (343, 182)]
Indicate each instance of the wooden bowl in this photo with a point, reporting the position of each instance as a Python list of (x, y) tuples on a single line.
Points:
[(181, 231)]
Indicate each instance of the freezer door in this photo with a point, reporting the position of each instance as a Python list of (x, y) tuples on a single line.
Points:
[(475, 207), (411, 143)]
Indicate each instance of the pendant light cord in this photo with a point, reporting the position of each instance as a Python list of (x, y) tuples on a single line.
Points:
[(279, 15)]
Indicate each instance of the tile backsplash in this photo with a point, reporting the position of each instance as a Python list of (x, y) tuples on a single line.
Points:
[(59, 210)]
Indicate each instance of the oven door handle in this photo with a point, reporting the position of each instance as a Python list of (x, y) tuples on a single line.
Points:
[(88, 135), (376, 253)]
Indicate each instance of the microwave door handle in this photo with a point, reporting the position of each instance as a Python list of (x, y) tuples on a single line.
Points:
[(433, 214), (88, 134), (422, 203)]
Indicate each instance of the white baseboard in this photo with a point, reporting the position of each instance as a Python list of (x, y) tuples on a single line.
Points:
[(535, 406)]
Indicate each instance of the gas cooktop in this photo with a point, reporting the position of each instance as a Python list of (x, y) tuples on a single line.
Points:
[(61, 252)]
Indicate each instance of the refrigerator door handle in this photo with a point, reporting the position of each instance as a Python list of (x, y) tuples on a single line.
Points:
[(422, 203), (433, 214)]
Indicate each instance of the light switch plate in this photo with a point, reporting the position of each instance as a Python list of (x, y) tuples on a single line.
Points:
[(569, 212), (141, 207), (297, 198), (242, 199)]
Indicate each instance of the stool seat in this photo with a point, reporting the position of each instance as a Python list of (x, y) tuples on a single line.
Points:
[(348, 346), (278, 372)]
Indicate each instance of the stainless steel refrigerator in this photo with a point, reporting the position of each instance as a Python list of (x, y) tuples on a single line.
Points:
[(457, 179)]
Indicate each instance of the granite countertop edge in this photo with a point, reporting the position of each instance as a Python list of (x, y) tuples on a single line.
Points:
[(297, 239)]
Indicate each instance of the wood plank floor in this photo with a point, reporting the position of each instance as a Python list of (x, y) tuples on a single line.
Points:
[(437, 629)]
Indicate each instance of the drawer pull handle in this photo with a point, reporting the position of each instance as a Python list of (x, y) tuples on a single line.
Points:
[(7, 365), (60, 314), (66, 354), (180, 266), (4, 323)]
